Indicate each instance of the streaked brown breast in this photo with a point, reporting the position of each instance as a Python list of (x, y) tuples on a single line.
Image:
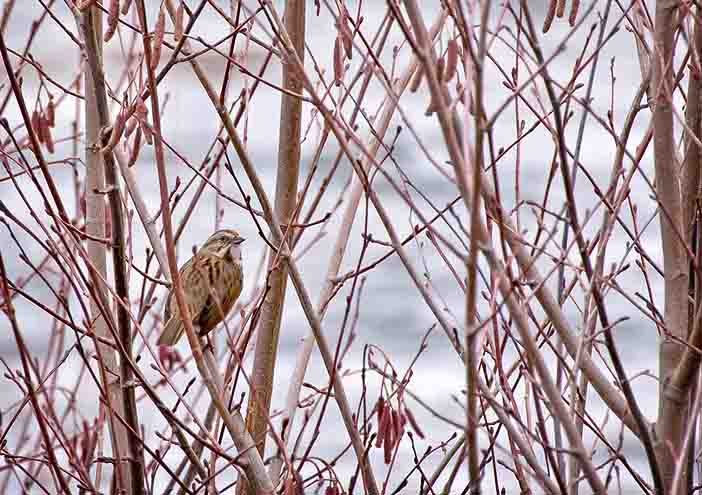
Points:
[(228, 278)]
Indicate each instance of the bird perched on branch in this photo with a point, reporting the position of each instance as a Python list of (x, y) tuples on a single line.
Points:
[(211, 281)]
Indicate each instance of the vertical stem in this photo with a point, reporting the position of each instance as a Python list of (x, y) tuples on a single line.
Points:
[(97, 118), (691, 194), (285, 198), (472, 324), (673, 404), (95, 227)]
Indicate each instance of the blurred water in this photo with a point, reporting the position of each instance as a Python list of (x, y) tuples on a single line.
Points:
[(393, 315)]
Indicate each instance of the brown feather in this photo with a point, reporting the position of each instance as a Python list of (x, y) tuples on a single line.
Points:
[(171, 332), (212, 282)]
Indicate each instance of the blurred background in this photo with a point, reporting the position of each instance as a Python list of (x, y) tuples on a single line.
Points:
[(392, 316)]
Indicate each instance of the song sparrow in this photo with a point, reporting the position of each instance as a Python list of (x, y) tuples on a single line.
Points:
[(212, 281)]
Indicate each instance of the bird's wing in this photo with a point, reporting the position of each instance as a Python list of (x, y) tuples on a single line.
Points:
[(170, 335), (194, 279)]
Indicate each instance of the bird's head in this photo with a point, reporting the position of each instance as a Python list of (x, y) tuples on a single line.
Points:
[(225, 242)]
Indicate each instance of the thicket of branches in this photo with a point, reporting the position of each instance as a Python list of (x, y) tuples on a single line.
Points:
[(535, 197)]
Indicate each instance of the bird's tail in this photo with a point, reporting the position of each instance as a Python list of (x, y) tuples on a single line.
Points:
[(171, 332)]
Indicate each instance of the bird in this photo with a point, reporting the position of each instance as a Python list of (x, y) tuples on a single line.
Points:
[(212, 281)]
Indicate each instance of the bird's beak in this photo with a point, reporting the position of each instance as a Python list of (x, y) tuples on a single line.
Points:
[(238, 240)]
